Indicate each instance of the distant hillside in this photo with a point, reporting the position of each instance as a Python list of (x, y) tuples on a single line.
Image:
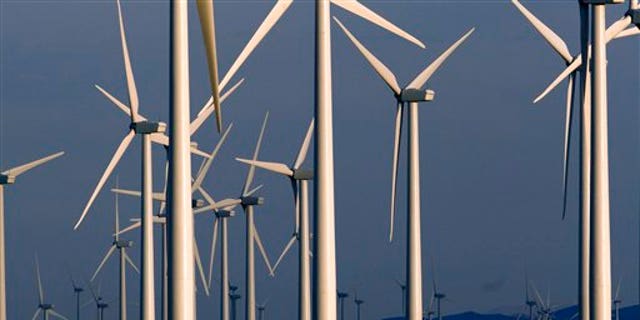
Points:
[(627, 313)]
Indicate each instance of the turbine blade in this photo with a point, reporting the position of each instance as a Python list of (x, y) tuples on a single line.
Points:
[(212, 255), (164, 190), (302, 154), (394, 173), (131, 83), (263, 252), (382, 70), (208, 108), (57, 315), (207, 163), (107, 172), (567, 143), (133, 265), (617, 289), (358, 9), (35, 315), (118, 103), (133, 226), (616, 28), (538, 297), (271, 166), (104, 260), (196, 254), (422, 78), (207, 23), (127, 192), (628, 33), (252, 169), (162, 139), (284, 252), (254, 190), (274, 15), (40, 290), (16, 171), (568, 71), (551, 37), (218, 205), (117, 226)]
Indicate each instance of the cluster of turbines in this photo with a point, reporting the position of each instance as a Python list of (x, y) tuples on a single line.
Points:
[(184, 195)]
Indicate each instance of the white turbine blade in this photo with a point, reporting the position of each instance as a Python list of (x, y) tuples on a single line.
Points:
[(206, 195), (118, 103), (131, 83), (263, 252), (40, 290), (617, 295), (107, 172), (218, 205), (134, 226), (538, 297), (164, 191), (254, 190), (130, 262), (616, 28), (196, 253), (422, 78), (104, 260), (117, 214), (126, 192), (207, 23), (302, 154), (272, 18), (271, 166), (212, 254), (208, 109), (358, 9), (35, 315), (16, 171), (394, 173), (163, 139), (628, 33), (57, 315), (382, 70), (207, 163), (567, 142), (551, 37), (256, 151), (284, 252)]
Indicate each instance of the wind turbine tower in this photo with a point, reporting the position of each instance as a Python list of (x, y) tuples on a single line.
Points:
[(341, 297)]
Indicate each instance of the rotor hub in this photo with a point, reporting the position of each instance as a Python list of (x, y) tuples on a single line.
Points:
[(7, 179), (225, 213), (148, 127), (416, 95), (120, 244), (197, 203), (301, 174), (251, 201)]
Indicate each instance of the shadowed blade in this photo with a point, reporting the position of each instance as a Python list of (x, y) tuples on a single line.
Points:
[(252, 169), (130, 262), (40, 290), (628, 33), (263, 252), (284, 252), (551, 37), (394, 172), (420, 80), (131, 83), (16, 171), (107, 172), (271, 166), (302, 154), (104, 260), (35, 315), (200, 268), (134, 226), (274, 15), (207, 23), (212, 254), (358, 9), (567, 142), (57, 315), (616, 28), (382, 70)]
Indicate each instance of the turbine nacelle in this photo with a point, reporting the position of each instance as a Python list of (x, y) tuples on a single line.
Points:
[(416, 95), (123, 244), (634, 14), (197, 203), (45, 306), (77, 289), (251, 201), (225, 213), (300, 174), (148, 127), (7, 179)]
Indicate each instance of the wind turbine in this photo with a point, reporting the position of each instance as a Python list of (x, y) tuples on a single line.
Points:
[(101, 305), (77, 290), (531, 303), (299, 182), (261, 308), (234, 297), (617, 301), (403, 289), (121, 245), (325, 264), (341, 297), (44, 307), (411, 94), (248, 201), (358, 303), (437, 294), (8, 177)]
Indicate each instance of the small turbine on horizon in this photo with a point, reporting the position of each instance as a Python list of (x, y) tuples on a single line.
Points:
[(43, 306)]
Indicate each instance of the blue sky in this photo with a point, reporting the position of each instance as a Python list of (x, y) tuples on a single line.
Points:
[(491, 161)]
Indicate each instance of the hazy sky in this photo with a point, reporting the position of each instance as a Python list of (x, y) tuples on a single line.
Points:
[(491, 161)]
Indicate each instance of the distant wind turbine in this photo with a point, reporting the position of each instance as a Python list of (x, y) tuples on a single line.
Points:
[(43, 306), (77, 290), (298, 178), (358, 303), (411, 94), (8, 177), (403, 289), (234, 297), (617, 301), (342, 296), (261, 308)]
